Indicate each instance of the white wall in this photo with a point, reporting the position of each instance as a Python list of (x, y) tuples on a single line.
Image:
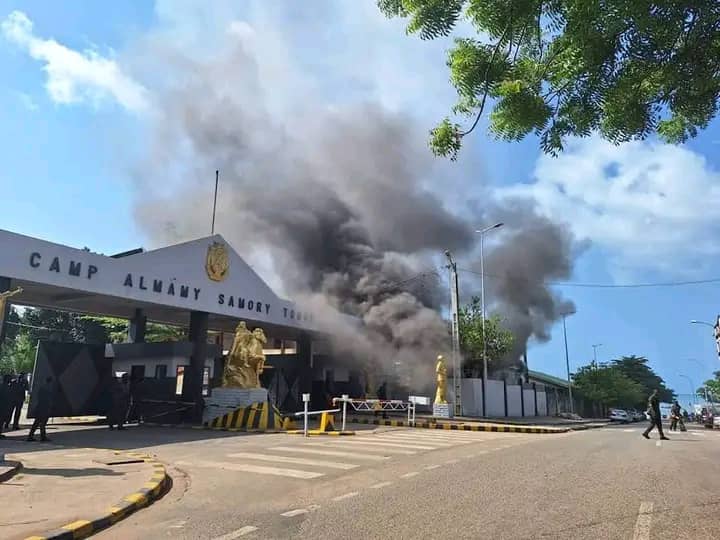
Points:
[(496, 398), (472, 397), (542, 404), (514, 403), (529, 401), (171, 362)]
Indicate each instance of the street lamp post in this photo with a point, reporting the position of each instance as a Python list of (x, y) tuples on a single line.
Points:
[(482, 232), (692, 386), (567, 365), (595, 347)]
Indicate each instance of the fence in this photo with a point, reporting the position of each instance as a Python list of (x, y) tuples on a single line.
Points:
[(506, 399)]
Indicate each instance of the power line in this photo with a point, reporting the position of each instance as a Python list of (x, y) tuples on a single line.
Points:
[(613, 285)]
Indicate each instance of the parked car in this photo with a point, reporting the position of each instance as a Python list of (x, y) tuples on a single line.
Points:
[(618, 415)]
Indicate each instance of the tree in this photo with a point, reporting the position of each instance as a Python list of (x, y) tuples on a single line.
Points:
[(117, 330), (499, 339), (562, 68), (712, 386), (17, 355), (607, 385), (636, 368)]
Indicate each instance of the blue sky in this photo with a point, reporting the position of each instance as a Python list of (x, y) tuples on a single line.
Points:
[(74, 123)]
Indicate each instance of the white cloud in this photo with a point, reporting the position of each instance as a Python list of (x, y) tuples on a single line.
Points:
[(650, 206), (72, 76)]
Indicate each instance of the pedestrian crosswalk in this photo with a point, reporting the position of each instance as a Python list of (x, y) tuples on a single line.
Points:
[(315, 458)]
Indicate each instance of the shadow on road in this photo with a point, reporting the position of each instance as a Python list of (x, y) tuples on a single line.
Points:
[(70, 473)]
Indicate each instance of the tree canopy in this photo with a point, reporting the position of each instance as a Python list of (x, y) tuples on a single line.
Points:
[(24, 330), (636, 368), (499, 339), (625, 382), (562, 68), (609, 386)]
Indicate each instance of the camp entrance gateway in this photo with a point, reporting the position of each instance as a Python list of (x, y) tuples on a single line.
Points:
[(202, 285)]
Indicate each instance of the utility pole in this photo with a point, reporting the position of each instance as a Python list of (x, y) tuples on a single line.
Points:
[(567, 365), (454, 308)]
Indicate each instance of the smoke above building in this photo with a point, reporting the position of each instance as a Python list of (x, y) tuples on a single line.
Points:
[(342, 204)]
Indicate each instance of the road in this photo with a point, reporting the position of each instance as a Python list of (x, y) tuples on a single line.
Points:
[(402, 483)]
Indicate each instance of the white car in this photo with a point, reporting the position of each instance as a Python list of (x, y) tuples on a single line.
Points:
[(618, 415)]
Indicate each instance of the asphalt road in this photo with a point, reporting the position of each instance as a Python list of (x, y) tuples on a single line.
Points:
[(404, 483)]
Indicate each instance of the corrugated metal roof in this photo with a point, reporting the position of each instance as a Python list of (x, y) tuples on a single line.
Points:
[(549, 379)]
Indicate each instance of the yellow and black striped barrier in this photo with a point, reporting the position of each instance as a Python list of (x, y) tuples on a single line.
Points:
[(256, 417), (158, 484), (497, 428)]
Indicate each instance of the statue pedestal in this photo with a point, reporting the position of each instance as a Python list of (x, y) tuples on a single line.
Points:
[(442, 410), (226, 400)]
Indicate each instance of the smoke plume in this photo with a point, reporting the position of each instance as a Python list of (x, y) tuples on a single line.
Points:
[(339, 203)]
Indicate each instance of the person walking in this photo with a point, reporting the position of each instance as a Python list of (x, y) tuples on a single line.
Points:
[(4, 404), (17, 398), (653, 412), (42, 410), (6, 400), (120, 402), (674, 415)]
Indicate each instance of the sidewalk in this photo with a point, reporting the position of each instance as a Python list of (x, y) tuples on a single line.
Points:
[(74, 491), (463, 423)]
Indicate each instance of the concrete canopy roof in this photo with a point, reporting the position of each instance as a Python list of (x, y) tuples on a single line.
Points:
[(167, 283)]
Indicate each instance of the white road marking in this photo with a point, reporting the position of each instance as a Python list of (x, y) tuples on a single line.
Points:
[(258, 469), (431, 467), (380, 485), (379, 442), (658, 443), (362, 447), (644, 520), (294, 460), (409, 475), (237, 534), (405, 441), (353, 455), (293, 513), (346, 496), (698, 434), (628, 430)]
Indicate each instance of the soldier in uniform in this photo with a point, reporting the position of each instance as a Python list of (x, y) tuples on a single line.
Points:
[(653, 412), (17, 399), (120, 393), (43, 409)]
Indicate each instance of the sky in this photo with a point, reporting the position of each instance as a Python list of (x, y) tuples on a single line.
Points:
[(79, 83)]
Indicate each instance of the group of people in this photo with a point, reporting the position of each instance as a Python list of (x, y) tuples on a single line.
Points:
[(12, 398), (653, 412)]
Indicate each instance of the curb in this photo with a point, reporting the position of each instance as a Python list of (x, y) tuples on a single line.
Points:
[(313, 432), (497, 428), (158, 484), (15, 467), (240, 430)]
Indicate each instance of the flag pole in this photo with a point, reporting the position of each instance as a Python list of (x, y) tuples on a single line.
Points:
[(217, 178)]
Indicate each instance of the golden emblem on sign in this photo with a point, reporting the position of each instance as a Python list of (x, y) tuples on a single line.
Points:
[(217, 263)]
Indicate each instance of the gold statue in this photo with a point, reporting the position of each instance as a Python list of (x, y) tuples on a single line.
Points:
[(441, 371), (246, 360), (3, 303)]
